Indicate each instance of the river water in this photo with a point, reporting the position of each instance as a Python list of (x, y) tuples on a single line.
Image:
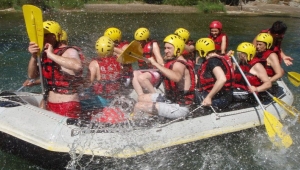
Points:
[(249, 149)]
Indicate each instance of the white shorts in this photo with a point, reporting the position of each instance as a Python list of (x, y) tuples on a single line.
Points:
[(169, 110)]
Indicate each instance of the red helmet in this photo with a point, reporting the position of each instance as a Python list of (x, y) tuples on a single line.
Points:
[(215, 24)]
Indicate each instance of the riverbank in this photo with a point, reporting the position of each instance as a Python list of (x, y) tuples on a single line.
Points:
[(249, 8)]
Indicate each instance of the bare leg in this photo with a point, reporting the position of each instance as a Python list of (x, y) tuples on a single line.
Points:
[(136, 85), (144, 81), (144, 110), (42, 104), (145, 98)]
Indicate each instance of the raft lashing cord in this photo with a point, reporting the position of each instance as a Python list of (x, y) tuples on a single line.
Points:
[(89, 126), (10, 99)]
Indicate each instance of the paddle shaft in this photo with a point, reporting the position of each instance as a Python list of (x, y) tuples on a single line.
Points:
[(39, 54), (32, 80), (34, 31), (131, 54), (20, 88), (147, 70), (290, 109), (41, 75), (245, 78)]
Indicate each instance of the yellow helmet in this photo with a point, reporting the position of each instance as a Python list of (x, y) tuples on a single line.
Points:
[(183, 33), (52, 27), (266, 38), (104, 46), (247, 48), (114, 34), (204, 46), (64, 36), (177, 42), (142, 34)]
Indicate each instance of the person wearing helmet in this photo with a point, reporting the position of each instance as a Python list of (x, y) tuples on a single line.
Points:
[(254, 72), (64, 38), (62, 72), (115, 35), (189, 48), (268, 57), (220, 38), (179, 84), (277, 31), (103, 76), (104, 80), (215, 76), (147, 79)]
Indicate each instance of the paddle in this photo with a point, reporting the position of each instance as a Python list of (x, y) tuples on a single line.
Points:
[(132, 53), (273, 126), (34, 25), (19, 89), (294, 78), (290, 109)]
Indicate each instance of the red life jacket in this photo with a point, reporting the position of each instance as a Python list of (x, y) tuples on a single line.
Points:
[(127, 68), (58, 80), (240, 81), (206, 84), (276, 45), (121, 44), (110, 71), (172, 91), (218, 42), (189, 56), (147, 52), (263, 60)]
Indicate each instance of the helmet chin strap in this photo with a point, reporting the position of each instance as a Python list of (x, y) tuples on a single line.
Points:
[(177, 53)]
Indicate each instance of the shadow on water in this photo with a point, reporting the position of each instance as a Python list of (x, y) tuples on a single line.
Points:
[(32, 154), (248, 149)]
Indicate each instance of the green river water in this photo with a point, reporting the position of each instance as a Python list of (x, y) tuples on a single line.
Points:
[(249, 149)]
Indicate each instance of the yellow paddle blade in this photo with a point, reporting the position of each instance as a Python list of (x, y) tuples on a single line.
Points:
[(290, 109), (294, 78), (132, 53), (275, 132), (34, 24)]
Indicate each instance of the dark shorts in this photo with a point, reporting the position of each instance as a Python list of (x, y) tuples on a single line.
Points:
[(219, 101)]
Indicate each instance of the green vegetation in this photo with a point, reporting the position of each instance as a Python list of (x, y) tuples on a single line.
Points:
[(64, 4), (206, 6), (44, 4), (110, 1), (181, 2)]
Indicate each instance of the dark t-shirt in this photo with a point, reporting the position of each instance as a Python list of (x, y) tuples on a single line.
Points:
[(212, 63)]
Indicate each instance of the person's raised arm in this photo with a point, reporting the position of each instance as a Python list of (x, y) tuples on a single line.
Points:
[(156, 52), (93, 69), (70, 58), (33, 71), (175, 74)]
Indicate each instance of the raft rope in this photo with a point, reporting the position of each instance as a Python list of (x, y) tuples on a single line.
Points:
[(180, 118), (20, 96), (159, 126), (31, 107)]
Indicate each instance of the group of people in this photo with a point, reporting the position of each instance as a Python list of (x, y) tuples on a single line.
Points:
[(193, 74)]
